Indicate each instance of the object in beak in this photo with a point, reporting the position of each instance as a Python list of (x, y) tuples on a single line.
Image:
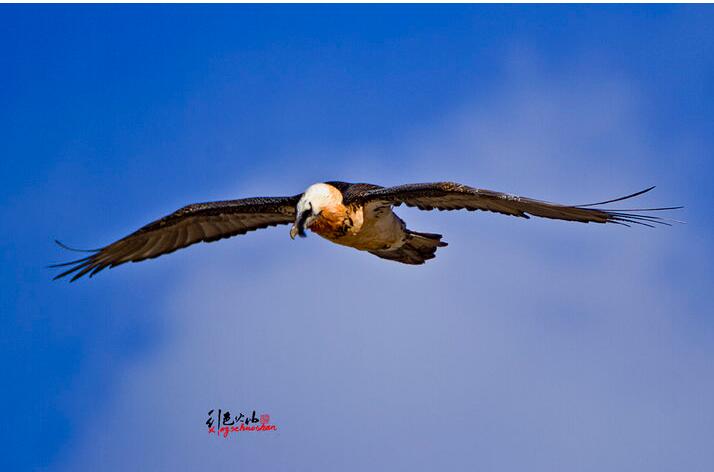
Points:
[(298, 228)]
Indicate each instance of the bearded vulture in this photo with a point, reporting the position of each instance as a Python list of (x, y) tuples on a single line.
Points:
[(354, 215)]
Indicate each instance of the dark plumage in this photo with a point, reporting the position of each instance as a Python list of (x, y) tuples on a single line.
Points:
[(200, 222)]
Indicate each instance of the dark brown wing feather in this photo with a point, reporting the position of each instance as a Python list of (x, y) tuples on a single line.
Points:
[(351, 191), (191, 224), (454, 196)]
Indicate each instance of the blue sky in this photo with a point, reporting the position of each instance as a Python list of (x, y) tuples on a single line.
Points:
[(537, 344)]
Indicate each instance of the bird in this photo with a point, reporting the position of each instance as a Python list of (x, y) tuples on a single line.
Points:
[(357, 215)]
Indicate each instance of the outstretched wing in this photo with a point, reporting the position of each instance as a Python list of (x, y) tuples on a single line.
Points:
[(454, 196), (191, 224)]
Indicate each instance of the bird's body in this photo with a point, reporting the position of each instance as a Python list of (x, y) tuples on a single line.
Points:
[(370, 226), (367, 227), (360, 216)]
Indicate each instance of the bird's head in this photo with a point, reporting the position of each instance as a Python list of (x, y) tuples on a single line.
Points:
[(315, 199)]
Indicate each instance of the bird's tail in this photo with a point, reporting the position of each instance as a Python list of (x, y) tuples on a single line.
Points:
[(418, 248)]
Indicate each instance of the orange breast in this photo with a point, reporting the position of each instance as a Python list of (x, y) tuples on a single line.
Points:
[(331, 222)]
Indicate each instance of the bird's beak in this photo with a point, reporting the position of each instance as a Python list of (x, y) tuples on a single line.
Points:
[(298, 228)]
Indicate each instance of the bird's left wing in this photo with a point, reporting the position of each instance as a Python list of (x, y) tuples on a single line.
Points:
[(454, 196), (191, 224)]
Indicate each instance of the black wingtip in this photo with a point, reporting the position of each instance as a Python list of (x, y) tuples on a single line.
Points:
[(633, 216), (76, 264), (60, 276), (619, 198), (64, 246)]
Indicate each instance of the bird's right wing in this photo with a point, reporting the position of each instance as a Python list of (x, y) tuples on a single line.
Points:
[(454, 196), (191, 224)]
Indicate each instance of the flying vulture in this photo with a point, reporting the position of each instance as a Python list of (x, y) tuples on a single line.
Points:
[(355, 215)]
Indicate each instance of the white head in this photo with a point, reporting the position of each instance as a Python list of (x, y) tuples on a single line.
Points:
[(316, 198)]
